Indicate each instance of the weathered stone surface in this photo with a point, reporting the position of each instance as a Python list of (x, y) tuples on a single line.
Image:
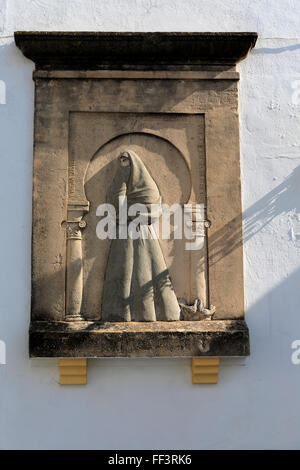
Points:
[(139, 339), (172, 98), (88, 50)]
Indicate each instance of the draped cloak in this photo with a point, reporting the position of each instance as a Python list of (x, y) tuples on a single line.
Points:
[(137, 285)]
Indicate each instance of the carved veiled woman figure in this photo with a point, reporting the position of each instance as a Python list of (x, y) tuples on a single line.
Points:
[(137, 285)]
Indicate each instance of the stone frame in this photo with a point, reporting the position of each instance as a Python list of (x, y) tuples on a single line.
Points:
[(201, 68)]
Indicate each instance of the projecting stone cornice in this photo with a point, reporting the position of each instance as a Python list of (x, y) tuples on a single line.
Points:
[(111, 50)]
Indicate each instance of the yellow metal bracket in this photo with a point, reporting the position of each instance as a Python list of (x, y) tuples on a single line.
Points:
[(205, 370), (73, 371)]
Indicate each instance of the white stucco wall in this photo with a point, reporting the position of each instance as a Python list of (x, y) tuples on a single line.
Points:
[(152, 403)]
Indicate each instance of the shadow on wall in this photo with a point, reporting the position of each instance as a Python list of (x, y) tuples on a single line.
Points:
[(282, 199), (276, 50), (277, 313)]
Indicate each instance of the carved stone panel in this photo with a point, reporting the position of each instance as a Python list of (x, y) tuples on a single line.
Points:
[(172, 146), (175, 126)]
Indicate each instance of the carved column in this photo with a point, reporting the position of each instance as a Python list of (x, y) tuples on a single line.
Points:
[(195, 225), (74, 272)]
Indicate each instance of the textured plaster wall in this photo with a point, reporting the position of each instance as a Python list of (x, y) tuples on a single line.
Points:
[(151, 403)]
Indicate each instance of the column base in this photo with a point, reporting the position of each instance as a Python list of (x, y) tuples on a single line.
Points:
[(74, 318)]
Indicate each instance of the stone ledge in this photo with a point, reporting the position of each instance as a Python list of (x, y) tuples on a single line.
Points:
[(92, 50), (139, 339)]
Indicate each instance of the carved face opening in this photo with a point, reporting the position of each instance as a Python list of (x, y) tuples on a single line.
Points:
[(124, 159)]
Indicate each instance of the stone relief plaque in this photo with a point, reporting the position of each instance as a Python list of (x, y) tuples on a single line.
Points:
[(160, 144), (137, 235)]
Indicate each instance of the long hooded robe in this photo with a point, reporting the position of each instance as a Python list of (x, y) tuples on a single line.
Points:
[(137, 285)]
